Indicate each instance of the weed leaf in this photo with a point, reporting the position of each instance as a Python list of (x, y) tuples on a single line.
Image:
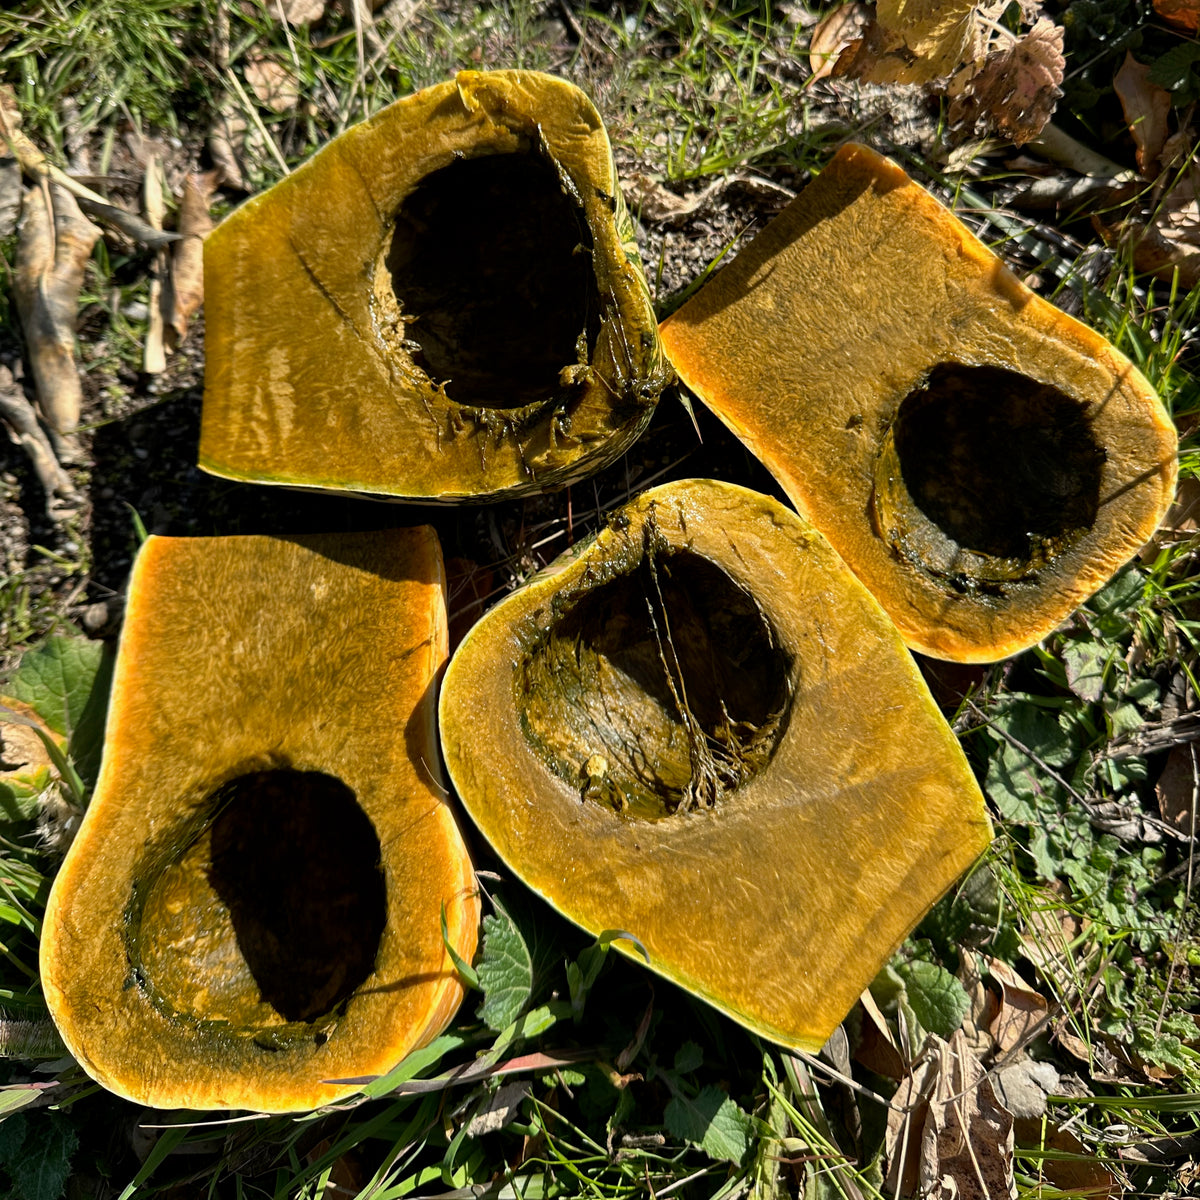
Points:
[(66, 681), (938, 999), (505, 971), (711, 1121), (37, 1155)]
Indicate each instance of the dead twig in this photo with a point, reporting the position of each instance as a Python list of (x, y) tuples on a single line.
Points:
[(17, 413)]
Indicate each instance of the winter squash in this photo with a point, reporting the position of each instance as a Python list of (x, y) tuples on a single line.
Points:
[(251, 909), (702, 730), (982, 461), (446, 302)]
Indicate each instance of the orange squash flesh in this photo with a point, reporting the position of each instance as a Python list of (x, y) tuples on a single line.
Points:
[(445, 303), (251, 910), (981, 461), (701, 729)]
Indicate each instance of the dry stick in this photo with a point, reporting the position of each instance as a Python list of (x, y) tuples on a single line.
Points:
[(22, 421), (1191, 858)]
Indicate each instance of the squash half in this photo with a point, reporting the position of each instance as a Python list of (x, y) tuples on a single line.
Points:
[(981, 461), (251, 910), (445, 303), (701, 729)]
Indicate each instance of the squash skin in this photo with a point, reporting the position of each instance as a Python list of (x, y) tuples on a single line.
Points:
[(738, 902), (251, 653), (308, 379), (808, 343)]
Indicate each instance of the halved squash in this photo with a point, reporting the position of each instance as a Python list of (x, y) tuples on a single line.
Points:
[(702, 729), (251, 910), (446, 302), (981, 461)]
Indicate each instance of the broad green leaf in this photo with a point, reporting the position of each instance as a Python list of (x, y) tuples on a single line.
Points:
[(688, 1058), (505, 971), (1086, 663), (66, 682), (938, 999), (19, 797), (711, 1121), (1178, 67), (35, 1151)]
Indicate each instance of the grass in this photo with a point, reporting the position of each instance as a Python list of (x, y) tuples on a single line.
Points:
[(691, 91)]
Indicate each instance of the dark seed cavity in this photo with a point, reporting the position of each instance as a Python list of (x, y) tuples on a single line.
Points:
[(660, 691), (491, 265), (986, 475), (273, 912)]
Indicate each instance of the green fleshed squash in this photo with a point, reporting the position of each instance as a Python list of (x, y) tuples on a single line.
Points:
[(445, 303), (251, 910), (701, 729)]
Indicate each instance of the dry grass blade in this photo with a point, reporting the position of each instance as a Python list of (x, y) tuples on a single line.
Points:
[(56, 241)]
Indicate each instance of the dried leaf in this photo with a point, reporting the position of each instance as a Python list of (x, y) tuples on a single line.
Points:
[(977, 1023), (499, 1110), (1069, 1166), (301, 12), (228, 131), (186, 283), (1146, 106), (877, 1049), (913, 41), (154, 355), (1178, 787), (967, 1149), (1170, 243), (956, 1140), (273, 84), (655, 203), (55, 243), (1023, 1011), (1015, 91), (10, 196), (833, 34), (1181, 14)]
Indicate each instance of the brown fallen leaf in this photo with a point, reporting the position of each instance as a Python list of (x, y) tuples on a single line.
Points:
[(959, 1133), (913, 41), (55, 243), (1178, 789), (1169, 244), (185, 291), (1068, 1164), (154, 354), (10, 196), (985, 1005), (876, 1048), (228, 131), (301, 12), (272, 83), (1015, 92), (1182, 14), (1146, 107), (833, 34), (1023, 1011)]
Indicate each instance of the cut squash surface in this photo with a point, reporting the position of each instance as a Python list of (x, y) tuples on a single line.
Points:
[(701, 729), (981, 461), (251, 910), (445, 303)]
